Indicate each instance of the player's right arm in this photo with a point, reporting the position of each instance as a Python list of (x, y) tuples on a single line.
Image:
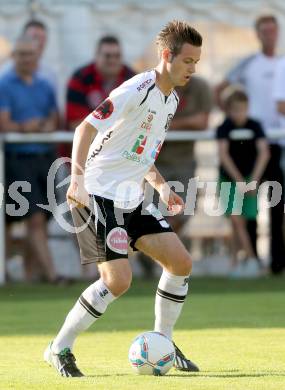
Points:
[(83, 137)]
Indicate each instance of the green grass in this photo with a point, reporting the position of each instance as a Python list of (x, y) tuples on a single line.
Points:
[(234, 330)]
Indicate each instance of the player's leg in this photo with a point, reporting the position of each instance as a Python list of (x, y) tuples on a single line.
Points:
[(167, 249), (114, 281), (98, 242), (170, 253)]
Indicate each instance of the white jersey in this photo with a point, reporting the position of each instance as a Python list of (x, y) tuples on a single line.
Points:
[(256, 73), (132, 124)]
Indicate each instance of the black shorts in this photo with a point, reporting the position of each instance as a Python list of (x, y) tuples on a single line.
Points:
[(105, 231), (31, 168)]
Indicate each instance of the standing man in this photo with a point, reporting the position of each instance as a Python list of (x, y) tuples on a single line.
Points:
[(256, 73), (92, 83), (114, 151), (28, 105)]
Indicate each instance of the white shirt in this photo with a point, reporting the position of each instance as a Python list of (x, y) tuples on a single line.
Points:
[(279, 87), (256, 73), (132, 125)]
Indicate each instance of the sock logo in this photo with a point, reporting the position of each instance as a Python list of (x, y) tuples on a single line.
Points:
[(103, 293), (186, 280)]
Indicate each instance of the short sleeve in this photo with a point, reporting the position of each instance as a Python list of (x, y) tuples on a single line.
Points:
[(279, 81), (237, 74), (259, 132), (222, 132), (120, 102), (234, 76)]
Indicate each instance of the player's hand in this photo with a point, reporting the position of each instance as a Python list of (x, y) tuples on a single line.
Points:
[(76, 195), (175, 204)]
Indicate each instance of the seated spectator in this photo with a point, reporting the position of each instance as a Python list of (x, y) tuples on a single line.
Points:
[(37, 31), (92, 83), (241, 161), (27, 105)]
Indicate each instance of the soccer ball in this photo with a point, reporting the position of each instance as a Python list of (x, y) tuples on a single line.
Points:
[(152, 353)]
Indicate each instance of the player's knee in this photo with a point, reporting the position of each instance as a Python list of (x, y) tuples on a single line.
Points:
[(118, 284), (183, 266)]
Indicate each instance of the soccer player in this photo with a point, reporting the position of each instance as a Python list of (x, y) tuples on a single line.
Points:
[(114, 151)]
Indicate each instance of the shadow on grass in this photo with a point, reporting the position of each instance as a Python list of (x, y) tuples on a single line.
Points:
[(206, 374), (230, 374)]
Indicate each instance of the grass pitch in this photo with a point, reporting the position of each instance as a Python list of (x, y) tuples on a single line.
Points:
[(234, 330)]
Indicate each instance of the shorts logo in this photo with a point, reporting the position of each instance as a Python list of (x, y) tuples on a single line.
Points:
[(104, 110), (117, 240)]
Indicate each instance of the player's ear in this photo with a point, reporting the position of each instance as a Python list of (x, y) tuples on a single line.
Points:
[(167, 55)]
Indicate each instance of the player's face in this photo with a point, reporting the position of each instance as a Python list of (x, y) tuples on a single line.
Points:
[(183, 65), (238, 112), (268, 34), (108, 59)]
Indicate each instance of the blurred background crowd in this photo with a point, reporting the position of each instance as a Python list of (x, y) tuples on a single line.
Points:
[(58, 61)]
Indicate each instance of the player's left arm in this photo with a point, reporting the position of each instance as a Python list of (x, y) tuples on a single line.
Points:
[(173, 201)]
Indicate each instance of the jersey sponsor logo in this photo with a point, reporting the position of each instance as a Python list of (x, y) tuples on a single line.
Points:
[(144, 84), (136, 154), (104, 110), (139, 145), (98, 150), (156, 150), (136, 158), (117, 240), (146, 124), (168, 121)]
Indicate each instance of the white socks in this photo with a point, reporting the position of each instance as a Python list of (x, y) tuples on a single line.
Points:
[(170, 296), (90, 306)]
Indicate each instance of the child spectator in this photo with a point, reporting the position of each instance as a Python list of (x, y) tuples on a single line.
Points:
[(241, 161)]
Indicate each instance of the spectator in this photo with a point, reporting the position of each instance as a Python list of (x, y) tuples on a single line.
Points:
[(256, 74), (36, 30), (233, 169), (27, 105), (279, 98), (176, 159), (92, 83)]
